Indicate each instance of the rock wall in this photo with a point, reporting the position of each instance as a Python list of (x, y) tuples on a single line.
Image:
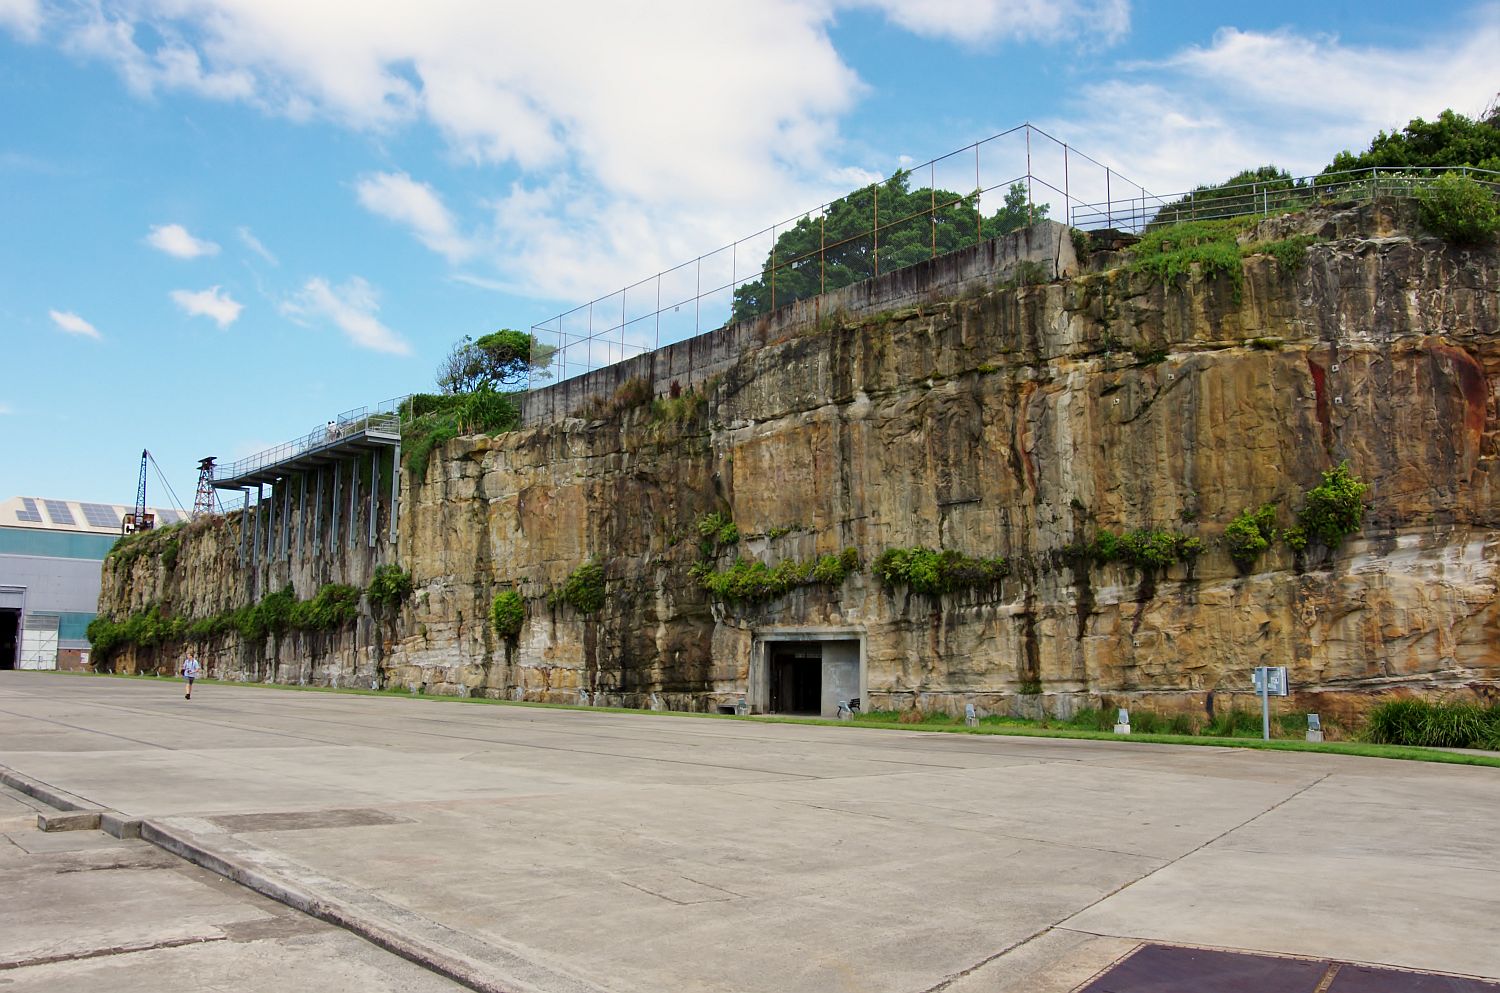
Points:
[(1002, 420)]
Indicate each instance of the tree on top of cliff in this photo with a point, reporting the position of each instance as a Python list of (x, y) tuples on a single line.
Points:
[(502, 358), (1226, 199), (915, 224), (1452, 140)]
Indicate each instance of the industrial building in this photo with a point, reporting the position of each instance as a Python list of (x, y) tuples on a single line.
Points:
[(51, 552)]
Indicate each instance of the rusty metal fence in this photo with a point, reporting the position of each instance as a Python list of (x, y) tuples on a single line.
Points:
[(926, 210), (994, 185)]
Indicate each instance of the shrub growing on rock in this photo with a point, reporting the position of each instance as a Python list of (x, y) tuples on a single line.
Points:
[(507, 613), (1249, 534), (1334, 509), (1460, 208)]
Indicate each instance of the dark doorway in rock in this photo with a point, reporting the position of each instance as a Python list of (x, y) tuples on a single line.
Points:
[(796, 673), (10, 637)]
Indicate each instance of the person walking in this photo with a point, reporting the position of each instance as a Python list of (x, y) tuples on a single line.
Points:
[(190, 670)]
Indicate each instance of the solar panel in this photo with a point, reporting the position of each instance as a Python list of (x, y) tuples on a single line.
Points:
[(30, 513), (59, 512), (100, 515)]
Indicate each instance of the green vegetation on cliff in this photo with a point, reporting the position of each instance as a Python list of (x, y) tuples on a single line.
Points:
[(429, 419), (1334, 509), (1146, 549), (820, 254), (752, 581), (583, 590), (1250, 534), (934, 572), (334, 606), (507, 613)]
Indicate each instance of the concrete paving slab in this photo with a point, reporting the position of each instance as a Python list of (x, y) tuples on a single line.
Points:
[(126, 916)]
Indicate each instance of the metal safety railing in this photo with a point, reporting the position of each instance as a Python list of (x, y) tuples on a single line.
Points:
[(382, 418), (1265, 197), (1001, 183), (1012, 179)]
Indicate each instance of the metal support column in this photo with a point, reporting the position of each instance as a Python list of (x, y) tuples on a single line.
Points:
[(374, 491), (395, 486), (333, 529), (318, 516), (271, 526), (353, 500), (302, 519), (244, 524), (286, 517), (260, 492)]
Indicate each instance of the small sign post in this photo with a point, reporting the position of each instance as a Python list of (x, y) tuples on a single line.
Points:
[(1269, 680)]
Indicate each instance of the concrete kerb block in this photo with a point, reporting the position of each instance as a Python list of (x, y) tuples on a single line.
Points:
[(50, 795), (71, 820), (445, 962), (116, 824)]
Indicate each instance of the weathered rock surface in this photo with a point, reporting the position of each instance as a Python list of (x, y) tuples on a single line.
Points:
[(1012, 421)]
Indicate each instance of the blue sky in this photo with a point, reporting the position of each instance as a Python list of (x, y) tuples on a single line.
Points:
[(227, 220)]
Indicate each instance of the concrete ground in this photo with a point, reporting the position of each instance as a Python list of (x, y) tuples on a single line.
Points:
[(573, 851), (85, 912)]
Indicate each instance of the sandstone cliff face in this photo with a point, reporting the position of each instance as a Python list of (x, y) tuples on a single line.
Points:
[(1013, 422)]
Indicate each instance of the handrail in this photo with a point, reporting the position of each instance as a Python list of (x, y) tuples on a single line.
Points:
[(383, 418)]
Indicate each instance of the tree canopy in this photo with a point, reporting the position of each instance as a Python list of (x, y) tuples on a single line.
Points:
[(501, 358), (910, 232), (1451, 140)]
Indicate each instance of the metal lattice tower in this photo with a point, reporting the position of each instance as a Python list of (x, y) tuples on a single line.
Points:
[(139, 520), (204, 502)]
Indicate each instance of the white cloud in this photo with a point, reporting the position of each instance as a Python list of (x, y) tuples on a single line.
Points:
[(352, 308), (981, 22), (175, 240), (398, 197), (621, 157), (5, 409), (1251, 98), (254, 244), (212, 303), (70, 322), (24, 17)]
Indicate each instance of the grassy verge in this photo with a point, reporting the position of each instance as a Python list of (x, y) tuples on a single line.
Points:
[(1006, 727)]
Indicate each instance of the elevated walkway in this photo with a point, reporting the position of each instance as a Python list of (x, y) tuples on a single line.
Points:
[(352, 434)]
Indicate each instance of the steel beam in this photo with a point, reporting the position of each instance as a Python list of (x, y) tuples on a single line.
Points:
[(395, 487), (302, 519), (353, 501), (333, 530), (374, 492), (318, 517)]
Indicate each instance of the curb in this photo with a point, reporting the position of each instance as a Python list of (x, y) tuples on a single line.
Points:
[(449, 964), (50, 795), (72, 820)]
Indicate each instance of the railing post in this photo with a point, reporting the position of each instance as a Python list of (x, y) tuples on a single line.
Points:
[(877, 229), (1109, 201)]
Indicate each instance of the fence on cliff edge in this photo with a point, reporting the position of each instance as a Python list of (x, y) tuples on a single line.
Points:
[(749, 277), (1014, 177)]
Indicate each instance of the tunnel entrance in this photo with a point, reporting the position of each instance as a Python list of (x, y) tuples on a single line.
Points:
[(796, 672), (10, 637), (805, 672)]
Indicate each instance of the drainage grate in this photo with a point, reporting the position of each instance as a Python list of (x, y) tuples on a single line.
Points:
[(1169, 969)]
